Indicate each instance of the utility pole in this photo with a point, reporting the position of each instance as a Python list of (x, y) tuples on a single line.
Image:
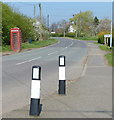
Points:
[(40, 27), (80, 23), (40, 7), (34, 11), (48, 21), (111, 28), (76, 27)]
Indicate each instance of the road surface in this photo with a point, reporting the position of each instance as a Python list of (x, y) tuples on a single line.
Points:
[(16, 71)]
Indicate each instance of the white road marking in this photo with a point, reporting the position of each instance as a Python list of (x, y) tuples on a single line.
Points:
[(68, 46), (52, 53), (28, 60)]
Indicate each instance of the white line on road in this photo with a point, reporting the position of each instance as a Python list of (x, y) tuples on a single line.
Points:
[(28, 60), (52, 53), (68, 46)]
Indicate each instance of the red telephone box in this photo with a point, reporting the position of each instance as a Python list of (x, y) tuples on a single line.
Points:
[(15, 39)]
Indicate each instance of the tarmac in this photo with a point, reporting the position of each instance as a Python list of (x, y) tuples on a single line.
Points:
[(89, 96)]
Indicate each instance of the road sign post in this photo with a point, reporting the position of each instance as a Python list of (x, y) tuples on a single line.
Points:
[(62, 81), (35, 91), (106, 39)]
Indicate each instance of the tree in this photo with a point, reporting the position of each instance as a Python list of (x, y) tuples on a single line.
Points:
[(64, 26), (96, 21), (53, 27), (104, 26), (93, 26), (60, 27), (82, 22)]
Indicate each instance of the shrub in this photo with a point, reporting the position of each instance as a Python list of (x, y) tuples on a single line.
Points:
[(11, 19), (70, 35), (57, 34), (62, 35), (101, 37)]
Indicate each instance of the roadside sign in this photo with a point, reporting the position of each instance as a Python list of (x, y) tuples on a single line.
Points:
[(108, 35)]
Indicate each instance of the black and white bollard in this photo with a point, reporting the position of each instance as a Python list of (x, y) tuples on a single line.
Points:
[(35, 91), (62, 81)]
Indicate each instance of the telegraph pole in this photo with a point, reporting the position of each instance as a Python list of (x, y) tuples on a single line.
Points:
[(80, 23), (111, 29), (48, 21), (76, 27), (34, 11), (40, 27), (40, 7)]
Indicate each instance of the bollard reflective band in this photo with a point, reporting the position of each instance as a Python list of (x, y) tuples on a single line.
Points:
[(61, 73), (62, 60), (36, 73), (35, 89)]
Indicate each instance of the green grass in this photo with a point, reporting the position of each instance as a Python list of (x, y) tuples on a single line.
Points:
[(88, 38), (108, 56), (110, 59), (85, 38), (97, 43), (0, 48), (105, 48), (38, 44), (34, 44), (5, 48)]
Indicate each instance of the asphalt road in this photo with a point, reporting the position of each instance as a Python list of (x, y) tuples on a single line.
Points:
[(16, 71)]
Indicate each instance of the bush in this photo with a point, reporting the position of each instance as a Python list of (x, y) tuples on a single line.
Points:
[(70, 35), (11, 19), (44, 35), (57, 34), (101, 37), (62, 35)]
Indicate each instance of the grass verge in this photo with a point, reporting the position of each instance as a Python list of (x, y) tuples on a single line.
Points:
[(34, 44), (0, 48), (108, 56), (39, 44), (110, 59), (97, 43), (88, 38), (104, 47), (85, 38)]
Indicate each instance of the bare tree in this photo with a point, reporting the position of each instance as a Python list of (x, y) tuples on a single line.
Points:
[(104, 25)]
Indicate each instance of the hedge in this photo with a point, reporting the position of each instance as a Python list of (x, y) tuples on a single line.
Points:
[(62, 35), (101, 37)]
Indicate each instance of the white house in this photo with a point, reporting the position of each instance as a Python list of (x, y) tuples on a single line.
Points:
[(71, 29)]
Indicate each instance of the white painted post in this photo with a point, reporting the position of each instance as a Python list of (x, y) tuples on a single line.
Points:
[(62, 81), (105, 40), (111, 41), (111, 27), (35, 91)]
